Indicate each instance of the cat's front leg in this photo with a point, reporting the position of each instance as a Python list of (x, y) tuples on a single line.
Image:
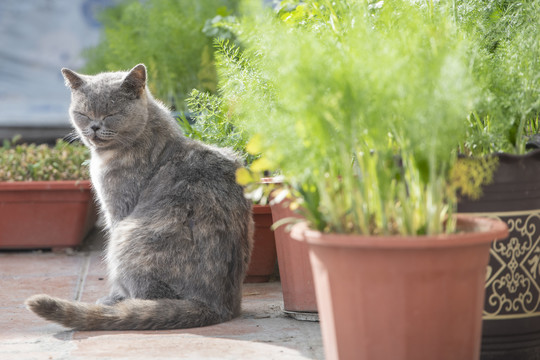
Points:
[(115, 296), (110, 300)]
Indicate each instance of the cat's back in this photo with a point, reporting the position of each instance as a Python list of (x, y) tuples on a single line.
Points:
[(189, 172)]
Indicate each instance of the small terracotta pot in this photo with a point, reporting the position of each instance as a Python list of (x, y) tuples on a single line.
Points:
[(45, 214), (263, 255), (402, 297), (294, 267)]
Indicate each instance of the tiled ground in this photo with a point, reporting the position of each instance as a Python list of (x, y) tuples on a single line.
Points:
[(261, 332)]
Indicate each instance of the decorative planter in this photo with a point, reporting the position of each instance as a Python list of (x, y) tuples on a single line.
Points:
[(45, 214), (398, 297), (263, 256), (299, 299), (511, 325)]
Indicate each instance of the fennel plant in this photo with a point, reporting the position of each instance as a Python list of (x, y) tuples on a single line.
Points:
[(360, 105)]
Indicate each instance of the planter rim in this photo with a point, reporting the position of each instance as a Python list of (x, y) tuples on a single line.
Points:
[(475, 230), (278, 180), (44, 185), (508, 157), (261, 209)]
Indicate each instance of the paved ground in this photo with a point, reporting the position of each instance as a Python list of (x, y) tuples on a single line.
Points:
[(262, 332)]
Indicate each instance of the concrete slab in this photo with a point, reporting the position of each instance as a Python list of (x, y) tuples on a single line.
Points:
[(263, 331)]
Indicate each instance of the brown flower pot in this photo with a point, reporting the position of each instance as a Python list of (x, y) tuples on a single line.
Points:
[(294, 267), (45, 214), (263, 256), (399, 297), (511, 325)]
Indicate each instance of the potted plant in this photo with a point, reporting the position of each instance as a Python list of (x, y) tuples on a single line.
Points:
[(361, 106), (296, 277), (505, 57), (297, 284), (45, 196), (211, 123)]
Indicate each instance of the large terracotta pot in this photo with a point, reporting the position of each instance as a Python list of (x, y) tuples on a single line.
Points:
[(297, 285), (263, 256), (398, 297), (511, 326), (45, 214)]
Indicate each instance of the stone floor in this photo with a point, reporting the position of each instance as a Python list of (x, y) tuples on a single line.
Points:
[(261, 332)]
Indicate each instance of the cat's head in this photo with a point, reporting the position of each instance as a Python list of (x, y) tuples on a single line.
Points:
[(108, 110)]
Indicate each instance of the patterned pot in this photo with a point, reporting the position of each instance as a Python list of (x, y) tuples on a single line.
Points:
[(511, 318)]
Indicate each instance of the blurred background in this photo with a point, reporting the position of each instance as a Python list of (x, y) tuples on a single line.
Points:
[(174, 38), (38, 38)]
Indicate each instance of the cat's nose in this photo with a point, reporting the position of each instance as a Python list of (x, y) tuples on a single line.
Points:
[(95, 127)]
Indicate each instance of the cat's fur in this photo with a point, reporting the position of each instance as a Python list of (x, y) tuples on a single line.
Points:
[(180, 228)]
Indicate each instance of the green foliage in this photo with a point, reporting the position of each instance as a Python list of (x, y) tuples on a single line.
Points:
[(506, 64), (166, 35), (213, 123), (31, 162), (360, 105), (469, 174)]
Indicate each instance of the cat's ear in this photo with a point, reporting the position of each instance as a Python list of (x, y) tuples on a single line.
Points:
[(135, 80), (73, 80)]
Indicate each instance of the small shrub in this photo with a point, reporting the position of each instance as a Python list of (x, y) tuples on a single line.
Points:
[(213, 124), (31, 162)]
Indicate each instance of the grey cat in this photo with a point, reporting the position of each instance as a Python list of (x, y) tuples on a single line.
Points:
[(180, 229)]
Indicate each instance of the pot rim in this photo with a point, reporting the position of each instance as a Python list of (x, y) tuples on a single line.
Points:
[(509, 157), (475, 230), (261, 209), (45, 185)]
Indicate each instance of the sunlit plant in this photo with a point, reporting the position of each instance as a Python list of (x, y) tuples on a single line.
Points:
[(360, 105), (31, 162), (505, 55)]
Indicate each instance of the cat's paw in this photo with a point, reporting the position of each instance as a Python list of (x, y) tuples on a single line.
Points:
[(109, 300)]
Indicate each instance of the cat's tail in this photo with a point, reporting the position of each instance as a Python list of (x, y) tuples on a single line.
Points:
[(131, 314)]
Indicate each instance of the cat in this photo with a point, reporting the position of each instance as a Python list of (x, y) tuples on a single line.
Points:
[(180, 229)]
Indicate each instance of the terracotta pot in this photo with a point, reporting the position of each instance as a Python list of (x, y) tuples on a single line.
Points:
[(263, 256), (398, 297), (511, 325), (45, 214), (294, 267)]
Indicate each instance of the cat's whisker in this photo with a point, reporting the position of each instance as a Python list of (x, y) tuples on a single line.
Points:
[(107, 134), (72, 137)]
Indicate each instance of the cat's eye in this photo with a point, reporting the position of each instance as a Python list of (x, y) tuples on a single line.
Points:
[(80, 114), (110, 116)]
